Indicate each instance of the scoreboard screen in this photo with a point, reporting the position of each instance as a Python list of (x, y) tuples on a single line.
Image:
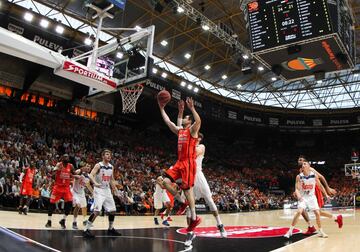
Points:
[(274, 23)]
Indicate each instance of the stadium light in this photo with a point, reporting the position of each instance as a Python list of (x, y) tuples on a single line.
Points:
[(273, 78), (245, 56), (180, 9), (196, 90), (187, 55), (164, 43), (88, 41), (261, 68), (164, 75), (44, 23), (205, 27), (224, 77), (28, 16), (154, 70), (207, 67), (183, 83), (119, 55), (59, 29), (189, 86)]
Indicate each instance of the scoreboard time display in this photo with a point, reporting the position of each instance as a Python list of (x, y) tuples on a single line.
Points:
[(274, 23)]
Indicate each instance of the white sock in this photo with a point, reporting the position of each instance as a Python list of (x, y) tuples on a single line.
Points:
[(111, 224), (75, 219), (334, 217), (309, 224), (291, 229), (88, 225), (218, 221), (193, 213), (49, 218), (188, 213)]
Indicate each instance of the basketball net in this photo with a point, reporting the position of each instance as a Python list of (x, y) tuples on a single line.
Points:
[(129, 96)]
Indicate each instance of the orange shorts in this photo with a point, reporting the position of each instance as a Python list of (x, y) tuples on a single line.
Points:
[(26, 189), (184, 170), (60, 193), (319, 196)]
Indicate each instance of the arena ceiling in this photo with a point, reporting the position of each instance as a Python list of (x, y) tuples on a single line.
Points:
[(211, 58)]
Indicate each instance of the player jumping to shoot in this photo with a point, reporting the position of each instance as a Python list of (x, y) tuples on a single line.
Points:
[(185, 167)]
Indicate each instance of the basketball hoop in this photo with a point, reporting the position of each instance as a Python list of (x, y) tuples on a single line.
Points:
[(129, 96)]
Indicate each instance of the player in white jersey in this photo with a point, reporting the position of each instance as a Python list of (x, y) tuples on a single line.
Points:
[(321, 188), (102, 178), (161, 199), (78, 192), (201, 186), (305, 193)]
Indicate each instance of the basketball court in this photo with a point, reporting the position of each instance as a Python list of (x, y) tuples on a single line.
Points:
[(283, 69), (256, 231)]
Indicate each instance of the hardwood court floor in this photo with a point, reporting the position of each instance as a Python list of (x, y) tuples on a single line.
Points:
[(343, 240)]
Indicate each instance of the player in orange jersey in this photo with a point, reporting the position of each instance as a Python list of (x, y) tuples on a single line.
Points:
[(26, 190), (64, 171), (185, 167)]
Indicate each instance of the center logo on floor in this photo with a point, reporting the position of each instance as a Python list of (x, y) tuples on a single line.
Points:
[(241, 231)]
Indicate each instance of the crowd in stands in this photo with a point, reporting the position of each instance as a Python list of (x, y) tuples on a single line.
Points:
[(241, 179)]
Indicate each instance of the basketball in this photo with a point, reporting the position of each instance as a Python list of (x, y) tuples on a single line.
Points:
[(163, 97)]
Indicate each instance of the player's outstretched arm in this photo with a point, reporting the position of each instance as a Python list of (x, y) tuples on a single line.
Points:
[(329, 190), (21, 176), (93, 173), (321, 186), (75, 173), (197, 120), (298, 188), (168, 122), (113, 183), (181, 107), (89, 187)]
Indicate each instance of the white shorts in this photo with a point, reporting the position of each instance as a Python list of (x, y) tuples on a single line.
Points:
[(104, 198), (309, 202), (159, 199), (201, 186), (79, 199)]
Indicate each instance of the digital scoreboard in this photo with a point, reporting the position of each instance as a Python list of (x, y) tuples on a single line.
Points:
[(274, 23)]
